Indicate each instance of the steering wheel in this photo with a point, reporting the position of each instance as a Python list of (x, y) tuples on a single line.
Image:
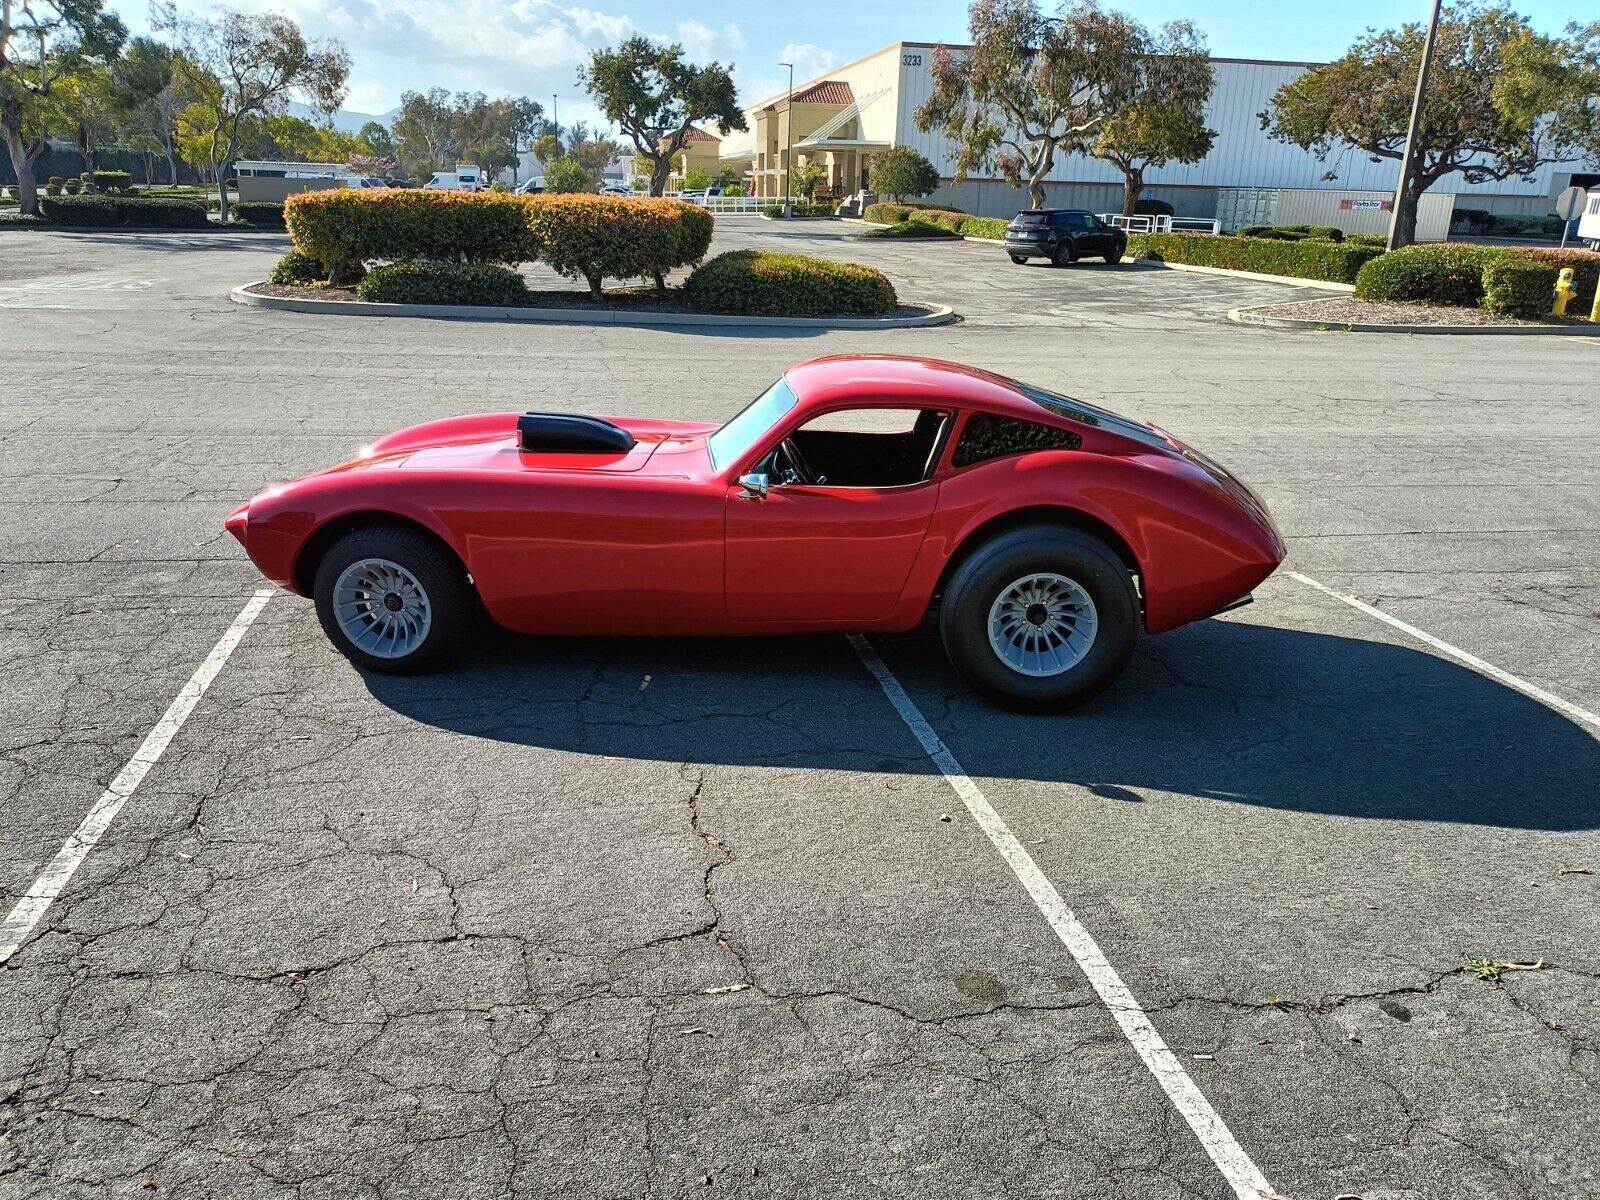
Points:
[(797, 464)]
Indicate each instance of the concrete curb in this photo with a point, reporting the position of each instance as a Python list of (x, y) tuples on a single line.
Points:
[(1293, 280), (1248, 316), (214, 231), (937, 314)]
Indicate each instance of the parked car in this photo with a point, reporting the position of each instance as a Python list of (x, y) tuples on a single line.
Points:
[(858, 493), (531, 186), (616, 189), (462, 179), (1063, 235)]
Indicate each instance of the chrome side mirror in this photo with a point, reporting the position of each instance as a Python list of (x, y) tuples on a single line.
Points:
[(755, 486)]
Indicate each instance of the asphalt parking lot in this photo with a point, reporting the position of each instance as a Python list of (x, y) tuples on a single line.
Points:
[(630, 918)]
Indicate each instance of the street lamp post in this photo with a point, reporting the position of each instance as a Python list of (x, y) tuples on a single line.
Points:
[(1408, 163), (788, 146)]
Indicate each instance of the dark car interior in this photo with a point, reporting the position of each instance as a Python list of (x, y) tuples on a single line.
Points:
[(839, 458)]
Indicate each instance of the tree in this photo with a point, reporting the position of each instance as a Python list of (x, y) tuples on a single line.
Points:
[(900, 172), (655, 96), (147, 99), (1502, 100), (1169, 129), (695, 179), (808, 177), (373, 164), (424, 132), (296, 139), (1031, 85), (242, 68), (42, 42), (565, 175), (86, 99), (376, 140)]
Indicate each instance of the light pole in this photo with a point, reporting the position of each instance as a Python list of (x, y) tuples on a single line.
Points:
[(788, 138), (1407, 161)]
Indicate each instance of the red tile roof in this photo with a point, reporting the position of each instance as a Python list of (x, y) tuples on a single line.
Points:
[(696, 134), (829, 91)]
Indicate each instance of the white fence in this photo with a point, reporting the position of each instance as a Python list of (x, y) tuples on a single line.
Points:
[(1155, 223), (734, 206)]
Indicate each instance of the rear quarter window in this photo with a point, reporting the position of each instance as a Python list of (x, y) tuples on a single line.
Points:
[(987, 436)]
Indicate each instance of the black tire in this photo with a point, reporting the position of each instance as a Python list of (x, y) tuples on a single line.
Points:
[(1114, 255), (1020, 259), (990, 570), (443, 582), (1063, 254)]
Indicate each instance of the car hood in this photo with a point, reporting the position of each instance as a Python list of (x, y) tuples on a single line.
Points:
[(489, 442)]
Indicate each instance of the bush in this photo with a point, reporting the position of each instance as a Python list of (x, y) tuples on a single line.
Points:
[(800, 208), (1434, 273), (1471, 220), (259, 214), (498, 188), (298, 270), (1366, 239), (112, 181), (123, 210), (912, 229), (73, 186), (1305, 259), (733, 191), (984, 227), (598, 237), (762, 282), (444, 283), (1514, 287), (1585, 266), (1293, 233), (349, 226)]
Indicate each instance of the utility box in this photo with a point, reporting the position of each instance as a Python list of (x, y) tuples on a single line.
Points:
[(1349, 211)]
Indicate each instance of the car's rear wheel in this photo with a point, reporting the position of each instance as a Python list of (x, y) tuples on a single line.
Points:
[(392, 600), (1114, 255), (1063, 255), (1040, 619), (1019, 259)]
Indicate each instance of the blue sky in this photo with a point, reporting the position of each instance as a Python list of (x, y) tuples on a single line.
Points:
[(532, 47)]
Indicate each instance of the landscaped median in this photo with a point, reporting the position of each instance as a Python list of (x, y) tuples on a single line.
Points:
[(909, 221), (1448, 288), (1300, 258), (456, 254)]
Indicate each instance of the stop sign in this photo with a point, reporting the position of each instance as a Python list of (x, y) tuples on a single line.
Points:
[(1569, 205)]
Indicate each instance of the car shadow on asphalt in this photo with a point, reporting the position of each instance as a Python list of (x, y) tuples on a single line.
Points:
[(1226, 710)]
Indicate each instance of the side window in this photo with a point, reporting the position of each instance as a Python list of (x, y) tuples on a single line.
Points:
[(987, 436), (862, 447)]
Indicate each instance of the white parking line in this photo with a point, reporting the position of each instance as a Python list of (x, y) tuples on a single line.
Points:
[(1565, 707), (1243, 1176), (53, 879)]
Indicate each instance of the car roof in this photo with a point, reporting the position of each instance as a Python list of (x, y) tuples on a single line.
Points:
[(1048, 212), (894, 380)]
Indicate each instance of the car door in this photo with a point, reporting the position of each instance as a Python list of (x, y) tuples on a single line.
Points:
[(818, 553)]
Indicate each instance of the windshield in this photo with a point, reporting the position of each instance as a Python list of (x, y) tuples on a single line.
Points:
[(739, 434)]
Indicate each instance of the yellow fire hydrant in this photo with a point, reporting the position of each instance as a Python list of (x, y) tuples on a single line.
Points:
[(1564, 292)]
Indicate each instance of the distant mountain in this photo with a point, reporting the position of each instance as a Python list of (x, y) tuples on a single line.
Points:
[(344, 120)]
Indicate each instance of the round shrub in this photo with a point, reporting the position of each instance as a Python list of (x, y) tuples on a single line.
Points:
[(258, 214), (72, 186), (444, 283), (111, 181), (299, 269), (1435, 273), (1515, 287), (760, 282), (598, 237)]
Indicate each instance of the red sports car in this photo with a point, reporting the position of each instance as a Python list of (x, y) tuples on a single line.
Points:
[(857, 493)]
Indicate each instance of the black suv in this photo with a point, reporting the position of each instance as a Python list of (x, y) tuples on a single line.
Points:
[(1063, 235)]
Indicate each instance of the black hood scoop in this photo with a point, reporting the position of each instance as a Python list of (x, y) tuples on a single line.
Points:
[(545, 431)]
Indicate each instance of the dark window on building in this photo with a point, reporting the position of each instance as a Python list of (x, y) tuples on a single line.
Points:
[(987, 436)]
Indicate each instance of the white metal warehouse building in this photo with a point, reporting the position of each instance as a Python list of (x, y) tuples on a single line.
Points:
[(842, 118)]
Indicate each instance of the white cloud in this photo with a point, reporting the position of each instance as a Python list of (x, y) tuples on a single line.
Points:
[(369, 96), (704, 43), (810, 62)]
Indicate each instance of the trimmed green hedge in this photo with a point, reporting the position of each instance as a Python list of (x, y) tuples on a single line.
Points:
[(1305, 259), (259, 214), (1514, 287), (913, 229), (760, 282), (444, 283), (945, 218), (1435, 273), (582, 236), (1456, 273), (1293, 233), (100, 211), (297, 268), (112, 181), (800, 209)]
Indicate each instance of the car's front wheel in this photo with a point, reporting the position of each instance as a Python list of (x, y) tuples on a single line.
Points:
[(1040, 619), (393, 600)]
